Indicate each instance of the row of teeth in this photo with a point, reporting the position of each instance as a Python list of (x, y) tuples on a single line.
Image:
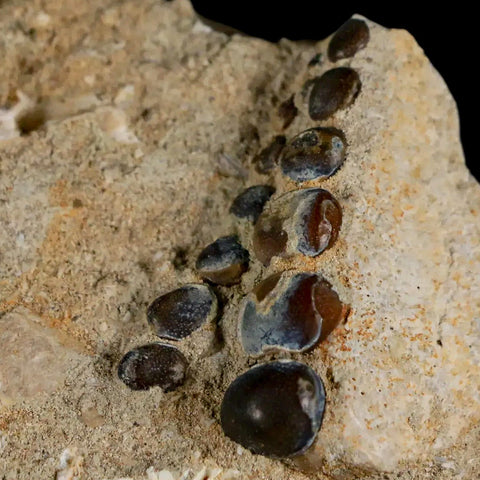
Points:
[(275, 408)]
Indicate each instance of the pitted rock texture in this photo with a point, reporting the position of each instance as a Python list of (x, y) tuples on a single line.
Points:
[(125, 133)]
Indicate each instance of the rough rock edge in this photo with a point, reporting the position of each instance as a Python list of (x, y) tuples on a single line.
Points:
[(447, 466)]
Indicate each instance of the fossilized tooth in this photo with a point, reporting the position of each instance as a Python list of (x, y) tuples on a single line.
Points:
[(153, 365), (289, 311), (351, 37), (274, 409), (224, 261), (288, 111), (266, 160), (178, 313), (336, 89), (303, 221), (314, 153), (249, 204)]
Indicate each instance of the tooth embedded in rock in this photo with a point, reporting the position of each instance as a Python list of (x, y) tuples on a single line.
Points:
[(289, 311), (335, 90), (303, 221), (274, 409), (314, 153), (153, 365), (178, 313)]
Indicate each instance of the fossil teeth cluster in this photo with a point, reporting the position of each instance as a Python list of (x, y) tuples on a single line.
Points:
[(275, 408)]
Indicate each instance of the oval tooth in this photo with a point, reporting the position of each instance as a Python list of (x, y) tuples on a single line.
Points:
[(177, 314), (153, 365), (290, 312), (335, 90), (316, 153), (223, 262), (305, 221), (274, 409)]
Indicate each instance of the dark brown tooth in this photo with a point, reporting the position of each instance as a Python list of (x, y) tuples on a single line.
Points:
[(274, 409), (249, 204), (313, 153), (267, 159), (180, 312), (336, 89), (290, 312), (351, 37), (305, 221), (269, 237), (153, 365), (223, 262), (288, 111)]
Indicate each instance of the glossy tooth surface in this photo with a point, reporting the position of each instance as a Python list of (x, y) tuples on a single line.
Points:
[(303, 221), (153, 365), (180, 312), (274, 409), (249, 204), (351, 37), (223, 262), (291, 312), (335, 90), (314, 153)]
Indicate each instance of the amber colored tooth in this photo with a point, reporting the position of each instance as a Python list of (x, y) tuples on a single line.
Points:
[(274, 409), (289, 311), (303, 221)]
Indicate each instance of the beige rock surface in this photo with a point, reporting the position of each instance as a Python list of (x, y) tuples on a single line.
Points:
[(125, 132)]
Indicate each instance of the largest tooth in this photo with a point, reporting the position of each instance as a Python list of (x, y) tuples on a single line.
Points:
[(274, 409)]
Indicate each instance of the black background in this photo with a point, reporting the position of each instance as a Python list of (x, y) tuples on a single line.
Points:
[(447, 34)]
